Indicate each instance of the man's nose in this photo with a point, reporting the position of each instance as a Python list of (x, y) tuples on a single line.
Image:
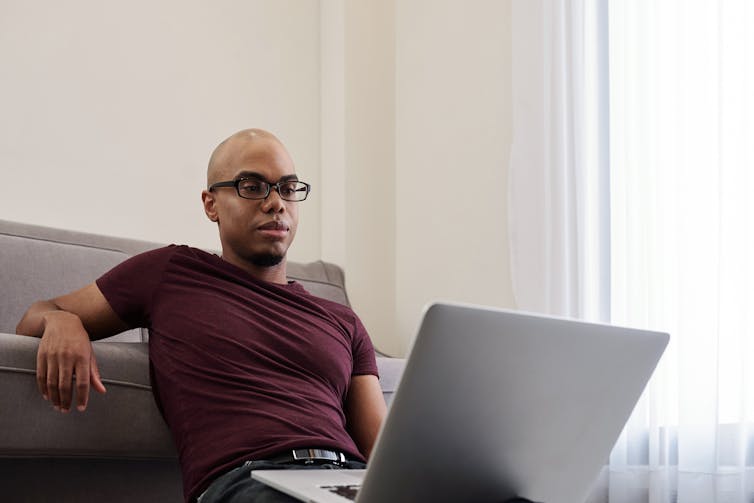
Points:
[(273, 203)]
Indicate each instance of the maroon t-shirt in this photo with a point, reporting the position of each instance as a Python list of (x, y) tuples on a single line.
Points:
[(241, 368)]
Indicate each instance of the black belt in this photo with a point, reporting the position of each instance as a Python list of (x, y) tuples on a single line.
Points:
[(310, 457)]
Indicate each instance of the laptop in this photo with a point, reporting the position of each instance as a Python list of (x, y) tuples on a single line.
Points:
[(494, 404)]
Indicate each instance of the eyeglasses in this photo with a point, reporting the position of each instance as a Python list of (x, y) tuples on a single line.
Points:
[(254, 188)]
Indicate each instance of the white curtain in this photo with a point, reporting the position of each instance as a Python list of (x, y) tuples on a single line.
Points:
[(558, 200), (662, 235), (682, 145), (558, 186)]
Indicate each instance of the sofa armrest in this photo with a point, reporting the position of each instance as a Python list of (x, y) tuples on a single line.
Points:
[(390, 370), (124, 423)]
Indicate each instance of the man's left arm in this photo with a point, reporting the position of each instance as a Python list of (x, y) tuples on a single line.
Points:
[(365, 411)]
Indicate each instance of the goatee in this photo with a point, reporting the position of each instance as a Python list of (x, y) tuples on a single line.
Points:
[(266, 259)]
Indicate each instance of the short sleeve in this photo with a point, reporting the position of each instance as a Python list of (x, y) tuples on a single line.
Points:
[(130, 286), (364, 359)]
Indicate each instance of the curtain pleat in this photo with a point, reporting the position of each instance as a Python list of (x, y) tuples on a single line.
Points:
[(681, 140), (632, 201)]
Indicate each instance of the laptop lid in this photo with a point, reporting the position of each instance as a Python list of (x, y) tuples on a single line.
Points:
[(494, 404)]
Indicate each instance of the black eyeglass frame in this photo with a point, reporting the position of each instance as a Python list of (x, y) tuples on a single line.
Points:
[(237, 182)]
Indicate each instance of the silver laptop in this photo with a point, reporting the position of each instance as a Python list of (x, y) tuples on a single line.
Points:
[(495, 404)]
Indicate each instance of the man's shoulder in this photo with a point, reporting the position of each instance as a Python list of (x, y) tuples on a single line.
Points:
[(155, 261), (175, 250)]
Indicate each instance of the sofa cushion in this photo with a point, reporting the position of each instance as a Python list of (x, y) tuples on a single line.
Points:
[(123, 423), (320, 279), (35, 269)]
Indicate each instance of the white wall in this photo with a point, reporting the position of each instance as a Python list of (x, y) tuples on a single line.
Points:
[(370, 161), (453, 130), (111, 109), (388, 107)]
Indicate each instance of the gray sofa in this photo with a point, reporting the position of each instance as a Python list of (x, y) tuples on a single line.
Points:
[(119, 449)]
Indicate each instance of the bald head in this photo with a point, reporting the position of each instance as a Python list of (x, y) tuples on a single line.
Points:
[(255, 232), (231, 150)]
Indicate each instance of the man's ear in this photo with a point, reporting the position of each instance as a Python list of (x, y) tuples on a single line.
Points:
[(208, 200)]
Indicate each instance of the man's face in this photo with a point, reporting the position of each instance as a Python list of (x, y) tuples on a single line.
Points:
[(253, 231)]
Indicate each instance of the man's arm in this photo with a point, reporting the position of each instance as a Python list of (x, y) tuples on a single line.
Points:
[(365, 411), (65, 325)]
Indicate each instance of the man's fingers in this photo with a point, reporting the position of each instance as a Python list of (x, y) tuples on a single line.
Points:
[(96, 379), (42, 375), (82, 385), (52, 382), (64, 351), (65, 377)]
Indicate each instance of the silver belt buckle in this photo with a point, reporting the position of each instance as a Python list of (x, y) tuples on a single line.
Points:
[(311, 455)]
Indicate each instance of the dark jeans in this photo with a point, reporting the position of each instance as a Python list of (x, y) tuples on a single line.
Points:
[(237, 486)]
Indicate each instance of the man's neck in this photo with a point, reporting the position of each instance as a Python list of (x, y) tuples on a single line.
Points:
[(271, 274)]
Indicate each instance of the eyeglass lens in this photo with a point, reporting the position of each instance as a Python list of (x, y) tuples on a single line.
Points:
[(258, 189)]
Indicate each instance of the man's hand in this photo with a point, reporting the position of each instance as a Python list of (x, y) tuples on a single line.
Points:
[(66, 325), (65, 352)]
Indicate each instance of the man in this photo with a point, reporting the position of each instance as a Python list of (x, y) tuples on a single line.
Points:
[(249, 371)]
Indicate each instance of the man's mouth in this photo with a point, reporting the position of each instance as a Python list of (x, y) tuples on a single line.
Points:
[(274, 225)]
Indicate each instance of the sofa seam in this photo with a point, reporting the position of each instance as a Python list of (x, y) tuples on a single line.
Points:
[(71, 243), (319, 281), (116, 382)]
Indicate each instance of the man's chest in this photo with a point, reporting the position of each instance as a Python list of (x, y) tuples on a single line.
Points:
[(249, 334)]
